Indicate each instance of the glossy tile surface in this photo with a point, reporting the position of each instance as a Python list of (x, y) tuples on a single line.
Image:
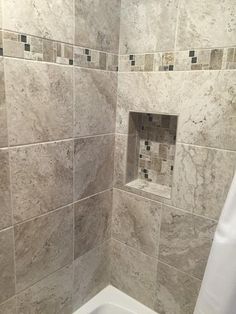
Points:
[(7, 274), (91, 274), (41, 178), (43, 18), (185, 240), (97, 24), (42, 246), (176, 292), (40, 104), (92, 222), (136, 221), (52, 295), (202, 178), (94, 158), (130, 274), (95, 102)]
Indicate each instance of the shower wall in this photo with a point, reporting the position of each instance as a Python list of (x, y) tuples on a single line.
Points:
[(58, 83), (177, 57)]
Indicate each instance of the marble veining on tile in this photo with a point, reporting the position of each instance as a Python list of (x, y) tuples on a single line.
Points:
[(3, 110), (8, 307), (92, 222), (42, 246), (136, 221)]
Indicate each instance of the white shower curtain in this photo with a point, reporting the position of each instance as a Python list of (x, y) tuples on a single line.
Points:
[(218, 290)]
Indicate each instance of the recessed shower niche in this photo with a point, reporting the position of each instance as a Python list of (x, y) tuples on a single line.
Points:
[(151, 152)]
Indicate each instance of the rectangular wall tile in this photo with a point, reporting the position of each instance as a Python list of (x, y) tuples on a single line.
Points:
[(40, 105), (43, 18), (3, 111), (5, 193), (91, 274), (8, 307), (185, 240), (136, 221), (95, 102), (133, 272), (42, 178), (176, 292), (94, 159), (7, 273), (97, 24), (53, 294), (204, 27), (42, 246), (92, 222), (202, 177), (120, 159)]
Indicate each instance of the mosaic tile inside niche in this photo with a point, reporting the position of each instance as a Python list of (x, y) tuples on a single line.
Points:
[(29, 47), (188, 60), (157, 137)]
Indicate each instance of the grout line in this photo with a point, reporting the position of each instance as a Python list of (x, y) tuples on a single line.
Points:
[(207, 147)]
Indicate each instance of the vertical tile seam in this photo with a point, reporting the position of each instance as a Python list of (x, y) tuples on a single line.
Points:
[(177, 25)]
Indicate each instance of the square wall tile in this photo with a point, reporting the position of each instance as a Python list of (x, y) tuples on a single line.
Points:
[(176, 292), (97, 24), (95, 102), (94, 159), (42, 177), (3, 111), (215, 29), (5, 195), (40, 105), (53, 294), (43, 18), (185, 241), (42, 246), (8, 307), (147, 26), (136, 221), (7, 272), (133, 272), (91, 274), (202, 178), (92, 222)]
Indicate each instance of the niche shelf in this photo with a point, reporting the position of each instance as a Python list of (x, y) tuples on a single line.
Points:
[(151, 152)]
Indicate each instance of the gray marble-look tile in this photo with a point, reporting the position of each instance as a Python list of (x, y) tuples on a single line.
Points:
[(136, 221), (5, 195), (92, 222), (52, 295), (176, 292), (208, 26), (42, 246), (7, 273), (94, 161), (42, 177), (91, 274), (97, 24), (147, 26), (185, 240), (3, 110), (40, 105), (43, 18), (202, 177), (8, 307), (133, 272), (95, 102), (120, 157)]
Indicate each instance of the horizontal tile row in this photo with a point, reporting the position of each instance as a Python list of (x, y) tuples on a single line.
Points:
[(159, 286), (41, 176), (43, 106), (199, 185), (189, 60), (30, 47), (41, 247)]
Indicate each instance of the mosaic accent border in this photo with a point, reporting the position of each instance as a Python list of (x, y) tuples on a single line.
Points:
[(30, 47), (189, 60)]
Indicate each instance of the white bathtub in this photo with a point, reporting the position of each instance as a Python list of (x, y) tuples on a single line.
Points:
[(112, 301)]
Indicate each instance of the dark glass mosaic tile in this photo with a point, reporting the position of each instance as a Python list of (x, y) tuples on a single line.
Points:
[(145, 170), (27, 47), (148, 148), (1, 51), (146, 175), (146, 142), (89, 58), (23, 39), (71, 62), (86, 51), (191, 53), (132, 62), (194, 60), (171, 68), (140, 156), (131, 57)]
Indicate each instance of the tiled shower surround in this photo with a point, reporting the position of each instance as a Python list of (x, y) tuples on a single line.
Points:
[(69, 222)]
